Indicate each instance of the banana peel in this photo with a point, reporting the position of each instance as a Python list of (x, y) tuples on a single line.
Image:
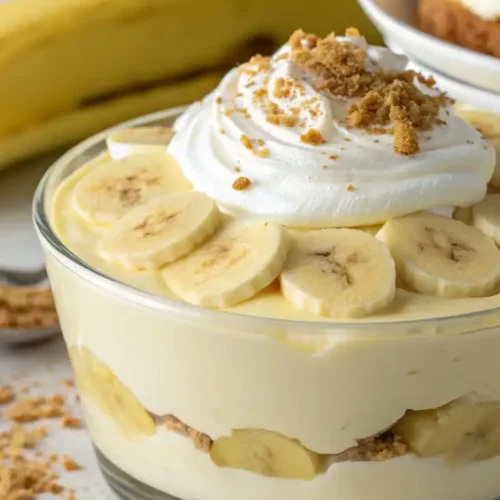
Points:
[(72, 68)]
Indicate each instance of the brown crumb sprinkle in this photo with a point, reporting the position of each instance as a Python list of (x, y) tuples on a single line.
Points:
[(218, 100), (242, 184), (386, 98), (201, 441), (6, 395), (71, 422), (333, 157), (374, 449), (26, 307), (263, 153), (25, 476), (350, 188), (70, 464), (405, 138), (312, 136), (246, 141)]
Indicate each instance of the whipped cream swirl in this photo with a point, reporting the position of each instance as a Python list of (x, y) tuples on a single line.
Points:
[(351, 178)]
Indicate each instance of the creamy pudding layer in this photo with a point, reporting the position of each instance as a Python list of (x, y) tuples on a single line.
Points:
[(168, 462)]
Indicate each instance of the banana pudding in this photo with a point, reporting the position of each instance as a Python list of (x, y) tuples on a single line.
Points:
[(281, 298)]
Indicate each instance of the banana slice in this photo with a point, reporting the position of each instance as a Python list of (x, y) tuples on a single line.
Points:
[(236, 264), (461, 431), (266, 453), (138, 140), (489, 125), (114, 187), (340, 273), (97, 382), (441, 256), (161, 231), (486, 217)]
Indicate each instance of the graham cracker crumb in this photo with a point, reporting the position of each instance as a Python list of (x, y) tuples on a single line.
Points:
[(263, 153), (386, 98), (237, 169), (260, 142), (333, 157), (201, 441), (246, 141), (27, 307), (32, 409), (70, 383), (312, 136), (350, 188), (71, 422), (374, 449), (6, 395), (222, 131), (324, 167), (405, 138), (218, 100), (70, 464), (242, 183)]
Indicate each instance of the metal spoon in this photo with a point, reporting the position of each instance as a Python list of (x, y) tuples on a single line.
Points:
[(19, 277)]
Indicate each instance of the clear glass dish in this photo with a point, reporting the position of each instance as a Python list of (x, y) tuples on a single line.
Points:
[(146, 365)]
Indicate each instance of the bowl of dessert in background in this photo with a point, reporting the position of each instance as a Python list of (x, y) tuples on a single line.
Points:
[(427, 31), (279, 298)]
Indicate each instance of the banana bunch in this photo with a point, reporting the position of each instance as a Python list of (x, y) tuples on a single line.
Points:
[(97, 382), (459, 430), (267, 453), (71, 68)]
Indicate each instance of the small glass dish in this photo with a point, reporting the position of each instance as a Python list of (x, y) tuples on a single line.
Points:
[(159, 378)]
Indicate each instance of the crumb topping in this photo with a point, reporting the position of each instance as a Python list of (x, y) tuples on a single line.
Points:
[(374, 449), (246, 141), (201, 441), (25, 472), (387, 99), (313, 137), (242, 183)]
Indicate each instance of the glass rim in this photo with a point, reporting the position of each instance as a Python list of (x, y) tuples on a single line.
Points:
[(75, 264)]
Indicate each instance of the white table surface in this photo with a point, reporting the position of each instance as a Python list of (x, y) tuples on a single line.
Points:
[(41, 367)]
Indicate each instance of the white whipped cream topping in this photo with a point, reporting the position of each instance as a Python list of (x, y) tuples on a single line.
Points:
[(353, 179), (487, 9)]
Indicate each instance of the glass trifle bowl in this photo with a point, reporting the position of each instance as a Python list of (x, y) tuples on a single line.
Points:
[(209, 373)]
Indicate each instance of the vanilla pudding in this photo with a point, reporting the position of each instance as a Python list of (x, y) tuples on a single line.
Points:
[(278, 301)]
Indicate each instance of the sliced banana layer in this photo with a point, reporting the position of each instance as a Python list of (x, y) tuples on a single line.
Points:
[(97, 382), (266, 453), (489, 125), (460, 431), (161, 231), (114, 187), (441, 256), (340, 273), (138, 140), (237, 263), (486, 217)]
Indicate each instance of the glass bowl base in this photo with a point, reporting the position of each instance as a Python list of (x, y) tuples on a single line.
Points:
[(125, 486)]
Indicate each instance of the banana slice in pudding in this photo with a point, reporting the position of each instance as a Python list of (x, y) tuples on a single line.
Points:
[(266, 453), (460, 431), (114, 187), (138, 140), (100, 384), (340, 273), (440, 256), (237, 263), (161, 231)]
